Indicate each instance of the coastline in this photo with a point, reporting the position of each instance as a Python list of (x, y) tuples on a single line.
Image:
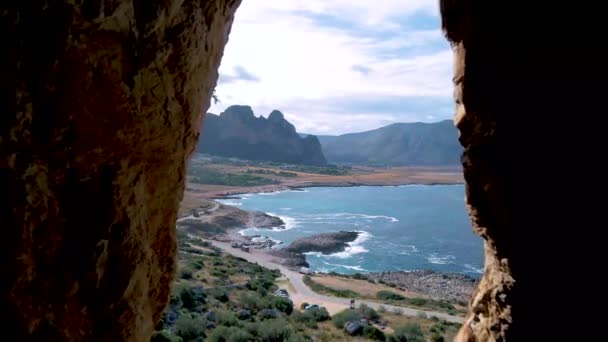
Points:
[(278, 188)]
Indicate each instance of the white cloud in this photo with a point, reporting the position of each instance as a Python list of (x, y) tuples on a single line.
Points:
[(301, 61)]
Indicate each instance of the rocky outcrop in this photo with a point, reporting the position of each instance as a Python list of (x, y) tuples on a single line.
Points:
[(527, 87), (326, 243), (238, 133), (100, 108), (213, 218)]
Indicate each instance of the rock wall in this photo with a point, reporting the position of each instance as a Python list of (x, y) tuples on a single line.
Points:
[(100, 106), (528, 83)]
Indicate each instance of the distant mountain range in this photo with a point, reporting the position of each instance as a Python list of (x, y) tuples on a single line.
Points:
[(400, 144), (238, 133)]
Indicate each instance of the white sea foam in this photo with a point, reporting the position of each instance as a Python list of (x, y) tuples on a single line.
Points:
[(230, 202), (473, 268), (408, 249), (356, 268), (290, 222), (286, 209), (433, 258), (346, 216), (354, 247)]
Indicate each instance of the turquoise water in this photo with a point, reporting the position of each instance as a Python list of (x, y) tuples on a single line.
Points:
[(403, 227)]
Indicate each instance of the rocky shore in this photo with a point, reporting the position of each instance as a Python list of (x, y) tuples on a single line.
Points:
[(212, 219), (326, 243), (454, 287)]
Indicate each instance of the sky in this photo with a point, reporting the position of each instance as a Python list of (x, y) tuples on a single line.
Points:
[(338, 66)]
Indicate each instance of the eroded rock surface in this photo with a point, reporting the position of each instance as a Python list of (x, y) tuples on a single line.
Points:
[(100, 106)]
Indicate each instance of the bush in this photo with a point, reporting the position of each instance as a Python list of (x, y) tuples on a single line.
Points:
[(189, 328), (191, 297), (283, 304), (226, 318), (186, 273), (388, 295), (197, 264), (368, 312), (219, 294), (274, 330), (229, 334), (359, 276), (164, 336), (437, 338), (411, 332), (252, 301), (345, 316), (320, 288), (421, 314), (373, 333)]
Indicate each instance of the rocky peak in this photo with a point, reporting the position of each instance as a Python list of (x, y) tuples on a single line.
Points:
[(237, 112), (275, 115)]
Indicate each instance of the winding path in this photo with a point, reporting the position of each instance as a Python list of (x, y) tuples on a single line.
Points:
[(304, 294)]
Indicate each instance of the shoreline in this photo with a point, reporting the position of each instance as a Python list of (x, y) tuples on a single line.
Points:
[(281, 188)]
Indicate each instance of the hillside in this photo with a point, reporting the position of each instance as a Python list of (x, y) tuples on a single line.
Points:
[(238, 133), (401, 144)]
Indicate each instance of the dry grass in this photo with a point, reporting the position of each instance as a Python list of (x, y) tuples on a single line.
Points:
[(363, 287)]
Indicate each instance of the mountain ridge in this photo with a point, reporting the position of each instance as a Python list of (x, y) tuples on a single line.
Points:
[(397, 144)]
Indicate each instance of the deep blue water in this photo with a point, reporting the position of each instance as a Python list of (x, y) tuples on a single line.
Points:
[(403, 227)]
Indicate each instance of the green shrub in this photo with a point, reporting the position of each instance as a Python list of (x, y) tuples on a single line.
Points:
[(345, 316), (274, 330), (411, 332), (437, 338), (388, 295), (368, 312), (189, 328), (373, 333), (297, 337), (226, 318), (191, 297), (219, 294), (283, 304), (164, 336), (320, 288), (229, 334), (252, 301), (359, 276), (197, 264), (185, 273)]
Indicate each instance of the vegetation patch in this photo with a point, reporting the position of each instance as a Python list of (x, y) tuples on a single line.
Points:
[(395, 298), (320, 288)]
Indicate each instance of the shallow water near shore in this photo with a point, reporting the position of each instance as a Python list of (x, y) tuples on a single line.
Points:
[(402, 227)]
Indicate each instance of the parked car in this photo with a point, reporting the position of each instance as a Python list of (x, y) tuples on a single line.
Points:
[(311, 306), (281, 293)]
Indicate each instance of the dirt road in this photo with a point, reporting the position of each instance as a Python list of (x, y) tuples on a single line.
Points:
[(304, 294)]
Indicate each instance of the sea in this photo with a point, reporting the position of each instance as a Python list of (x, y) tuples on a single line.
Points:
[(408, 227)]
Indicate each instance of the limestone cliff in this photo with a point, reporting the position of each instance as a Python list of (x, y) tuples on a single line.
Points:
[(100, 106), (238, 133)]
